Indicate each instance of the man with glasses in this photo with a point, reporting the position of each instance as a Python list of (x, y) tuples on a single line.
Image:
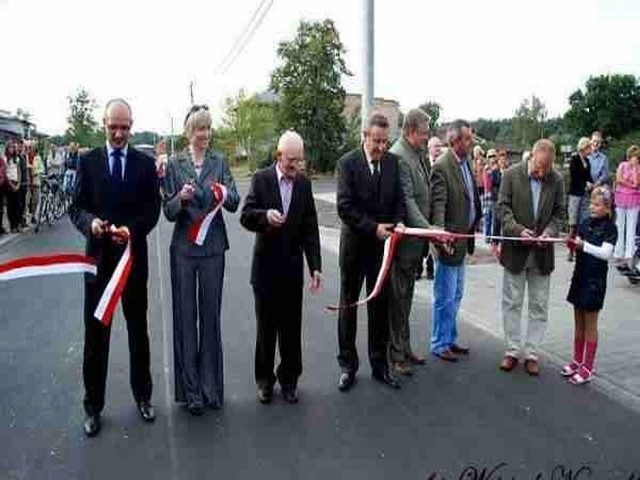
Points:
[(116, 200)]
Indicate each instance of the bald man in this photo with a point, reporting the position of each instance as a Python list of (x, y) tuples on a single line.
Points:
[(116, 198), (280, 209)]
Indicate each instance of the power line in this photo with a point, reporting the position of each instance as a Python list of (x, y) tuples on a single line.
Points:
[(245, 37)]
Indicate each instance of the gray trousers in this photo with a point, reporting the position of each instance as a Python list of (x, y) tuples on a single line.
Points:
[(401, 285), (196, 291), (513, 288)]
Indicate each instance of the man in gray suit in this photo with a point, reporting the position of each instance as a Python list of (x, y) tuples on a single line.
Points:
[(414, 181), (531, 204)]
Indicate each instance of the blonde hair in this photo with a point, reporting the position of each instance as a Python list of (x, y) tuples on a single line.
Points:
[(478, 151), (198, 119), (604, 193), (583, 144), (633, 151)]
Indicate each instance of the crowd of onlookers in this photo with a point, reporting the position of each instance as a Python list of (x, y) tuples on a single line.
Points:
[(22, 172), (587, 169)]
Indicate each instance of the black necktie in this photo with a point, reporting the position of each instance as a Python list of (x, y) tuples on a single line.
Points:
[(116, 171)]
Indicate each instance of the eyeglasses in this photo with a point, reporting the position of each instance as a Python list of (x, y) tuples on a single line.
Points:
[(194, 109)]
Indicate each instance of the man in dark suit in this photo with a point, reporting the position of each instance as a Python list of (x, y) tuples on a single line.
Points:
[(370, 203), (116, 198), (280, 209), (455, 206)]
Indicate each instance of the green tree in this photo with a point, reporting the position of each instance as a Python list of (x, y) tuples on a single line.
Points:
[(610, 103), (528, 122), (83, 128), (309, 84), (432, 109), (252, 124)]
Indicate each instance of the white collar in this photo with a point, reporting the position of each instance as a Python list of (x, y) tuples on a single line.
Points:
[(124, 150), (280, 174)]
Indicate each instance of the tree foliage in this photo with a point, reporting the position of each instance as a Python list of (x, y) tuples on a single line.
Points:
[(432, 109), (82, 126), (309, 84), (609, 103), (528, 121), (249, 124)]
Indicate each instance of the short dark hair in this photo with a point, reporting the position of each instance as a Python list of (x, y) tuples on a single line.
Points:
[(454, 130), (377, 119)]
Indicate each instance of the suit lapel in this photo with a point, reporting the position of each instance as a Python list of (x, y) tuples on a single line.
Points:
[(455, 167), (275, 189), (207, 167), (130, 166), (526, 190), (104, 160)]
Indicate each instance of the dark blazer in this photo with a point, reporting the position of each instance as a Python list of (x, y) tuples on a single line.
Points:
[(450, 205), (515, 205), (361, 206), (277, 253), (180, 171), (135, 203), (579, 175)]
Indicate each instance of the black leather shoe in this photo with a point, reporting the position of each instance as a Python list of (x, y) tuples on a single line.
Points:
[(290, 395), (265, 394), (386, 378), (346, 382), (195, 410), (92, 425), (459, 349), (146, 411)]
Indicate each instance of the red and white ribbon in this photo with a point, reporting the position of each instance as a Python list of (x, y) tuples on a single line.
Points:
[(198, 230), (64, 263), (390, 245), (113, 291), (47, 265)]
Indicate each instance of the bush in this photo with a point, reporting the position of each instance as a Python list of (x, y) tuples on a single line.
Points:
[(616, 149)]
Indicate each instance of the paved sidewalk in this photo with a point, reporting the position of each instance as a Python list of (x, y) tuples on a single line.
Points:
[(618, 358)]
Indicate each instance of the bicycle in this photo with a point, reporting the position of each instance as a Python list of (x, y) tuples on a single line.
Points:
[(50, 204)]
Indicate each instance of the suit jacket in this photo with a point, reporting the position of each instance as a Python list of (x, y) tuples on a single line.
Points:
[(362, 206), (515, 205), (180, 170), (451, 204), (277, 253), (134, 202), (416, 193)]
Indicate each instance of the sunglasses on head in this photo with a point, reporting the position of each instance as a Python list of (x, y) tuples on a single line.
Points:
[(194, 109)]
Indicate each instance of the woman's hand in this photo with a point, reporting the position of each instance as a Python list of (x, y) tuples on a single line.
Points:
[(187, 192)]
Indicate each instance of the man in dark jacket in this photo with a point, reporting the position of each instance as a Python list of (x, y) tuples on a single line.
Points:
[(116, 198), (280, 209), (370, 203)]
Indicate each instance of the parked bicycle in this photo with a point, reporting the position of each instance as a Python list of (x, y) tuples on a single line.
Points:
[(53, 201)]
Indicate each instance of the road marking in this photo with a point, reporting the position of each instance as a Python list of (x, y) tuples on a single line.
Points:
[(173, 456)]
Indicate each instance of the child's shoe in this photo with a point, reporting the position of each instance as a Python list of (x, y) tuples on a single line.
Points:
[(583, 376), (571, 369)]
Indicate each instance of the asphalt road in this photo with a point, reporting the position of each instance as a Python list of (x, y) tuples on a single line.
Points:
[(445, 418)]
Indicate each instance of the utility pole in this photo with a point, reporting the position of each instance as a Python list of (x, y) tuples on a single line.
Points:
[(191, 91), (367, 71), (172, 135)]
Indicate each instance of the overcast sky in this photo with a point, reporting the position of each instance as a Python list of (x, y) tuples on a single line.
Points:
[(476, 58)]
